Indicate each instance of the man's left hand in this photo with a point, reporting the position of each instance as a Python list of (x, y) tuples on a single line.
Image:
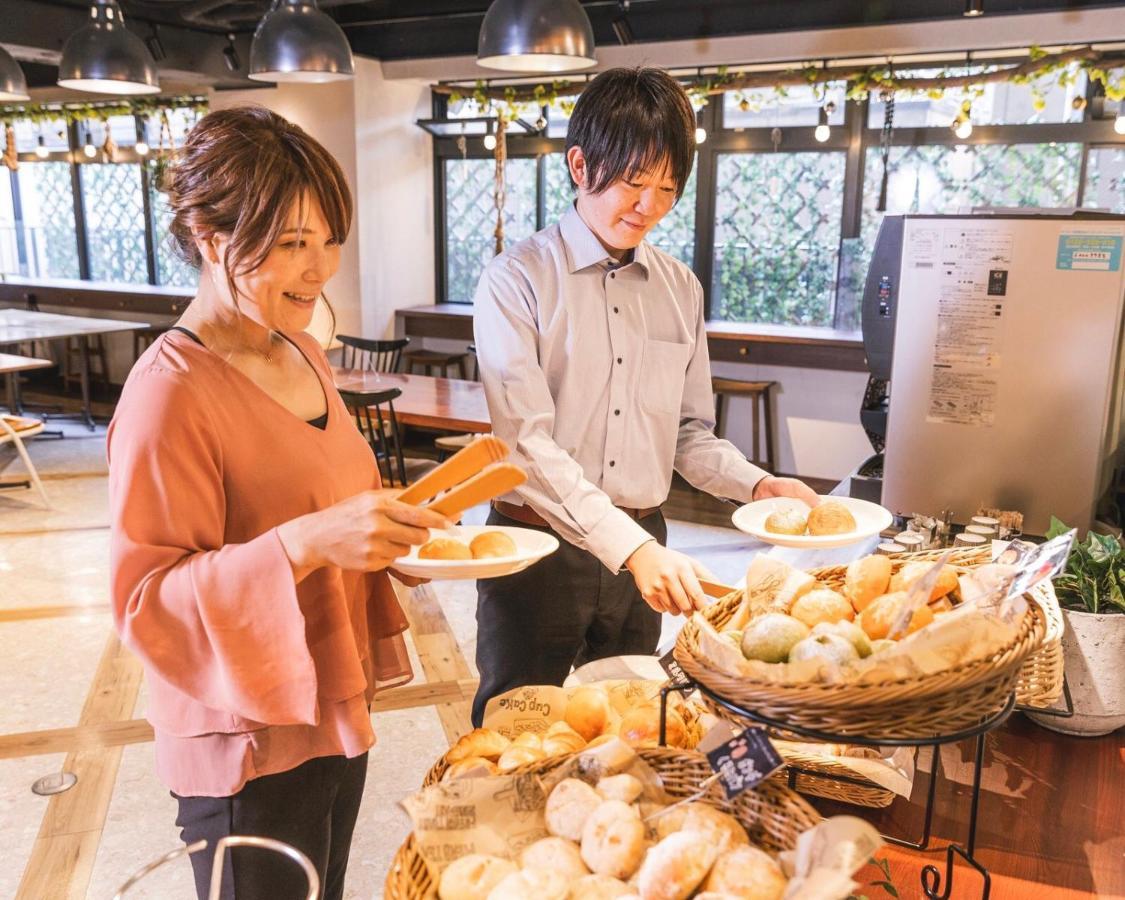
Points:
[(772, 486)]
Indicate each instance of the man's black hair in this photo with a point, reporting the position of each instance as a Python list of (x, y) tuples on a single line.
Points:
[(629, 121)]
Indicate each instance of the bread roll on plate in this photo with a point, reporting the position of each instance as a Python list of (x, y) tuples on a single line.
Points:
[(473, 877), (492, 544), (831, 517), (444, 548), (788, 520), (675, 867)]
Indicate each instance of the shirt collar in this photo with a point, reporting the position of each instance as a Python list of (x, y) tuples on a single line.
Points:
[(583, 249)]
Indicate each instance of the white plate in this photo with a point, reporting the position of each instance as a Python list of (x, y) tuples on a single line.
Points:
[(531, 546), (870, 519)]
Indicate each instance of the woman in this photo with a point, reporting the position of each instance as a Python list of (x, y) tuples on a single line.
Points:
[(250, 545)]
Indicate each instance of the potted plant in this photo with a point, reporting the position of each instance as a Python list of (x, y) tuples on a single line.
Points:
[(1091, 592)]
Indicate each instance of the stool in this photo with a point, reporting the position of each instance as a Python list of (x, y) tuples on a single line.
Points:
[(72, 358), (429, 360), (723, 388), (143, 338)]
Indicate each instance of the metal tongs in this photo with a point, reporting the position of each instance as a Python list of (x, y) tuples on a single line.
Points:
[(473, 475)]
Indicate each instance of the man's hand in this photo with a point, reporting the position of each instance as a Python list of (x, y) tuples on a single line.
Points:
[(772, 486), (668, 580)]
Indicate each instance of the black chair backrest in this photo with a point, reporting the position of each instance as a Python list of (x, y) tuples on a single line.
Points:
[(378, 356), (374, 414)]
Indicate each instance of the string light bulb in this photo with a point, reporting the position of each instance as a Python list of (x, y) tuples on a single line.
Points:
[(41, 148), (142, 148), (490, 142), (88, 148), (700, 134), (962, 125), (1119, 122), (823, 131)]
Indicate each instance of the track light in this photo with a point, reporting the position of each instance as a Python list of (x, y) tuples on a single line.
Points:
[(155, 45), (974, 8), (230, 55), (822, 132), (621, 27), (41, 148)]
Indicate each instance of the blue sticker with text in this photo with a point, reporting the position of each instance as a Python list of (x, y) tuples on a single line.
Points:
[(1089, 252)]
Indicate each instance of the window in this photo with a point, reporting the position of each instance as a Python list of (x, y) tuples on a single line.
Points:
[(1105, 179), (113, 206), (777, 232), (43, 231)]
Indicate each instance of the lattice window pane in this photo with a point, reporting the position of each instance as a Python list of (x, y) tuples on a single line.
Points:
[(1105, 179), (115, 222), (171, 270), (44, 232), (675, 234), (470, 217), (777, 233)]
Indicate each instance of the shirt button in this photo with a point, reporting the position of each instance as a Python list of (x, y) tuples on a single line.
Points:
[(615, 309), (619, 360), (612, 274), (617, 412), (611, 463)]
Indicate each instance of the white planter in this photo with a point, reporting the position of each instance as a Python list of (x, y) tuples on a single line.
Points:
[(1094, 650)]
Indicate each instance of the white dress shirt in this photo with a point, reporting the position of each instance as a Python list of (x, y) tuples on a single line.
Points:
[(597, 376)]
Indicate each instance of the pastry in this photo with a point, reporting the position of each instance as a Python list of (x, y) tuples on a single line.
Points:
[(912, 572), (675, 867), (831, 517), (866, 579), (613, 839), (599, 887), (491, 544), (516, 756), (483, 742), (444, 548), (879, 617), (528, 739), (788, 520), (557, 854), (821, 605), (640, 727), (471, 767), (721, 830), (561, 738), (588, 711), (472, 877), (748, 873), (770, 637), (624, 787), (540, 884), (569, 805), (771, 586)]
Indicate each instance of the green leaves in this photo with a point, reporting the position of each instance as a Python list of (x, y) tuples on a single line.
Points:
[(1094, 580), (885, 882)]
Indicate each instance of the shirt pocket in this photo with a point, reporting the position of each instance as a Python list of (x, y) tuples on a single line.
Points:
[(662, 376)]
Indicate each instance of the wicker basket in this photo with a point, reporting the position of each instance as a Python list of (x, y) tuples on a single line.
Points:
[(772, 814), (1041, 678), (910, 708), (809, 781)]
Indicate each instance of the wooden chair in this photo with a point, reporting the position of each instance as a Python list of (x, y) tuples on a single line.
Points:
[(757, 392), (432, 360), (380, 430), (449, 444), (377, 356), (13, 429)]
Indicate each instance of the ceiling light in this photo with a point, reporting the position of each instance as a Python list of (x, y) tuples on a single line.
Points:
[(106, 58), (41, 148), (822, 132), (974, 8), (536, 36), (295, 41), (13, 84), (700, 134), (230, 55)]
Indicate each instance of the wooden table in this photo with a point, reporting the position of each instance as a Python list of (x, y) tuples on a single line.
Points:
[(18, 326), (10, 366), (446, 403)]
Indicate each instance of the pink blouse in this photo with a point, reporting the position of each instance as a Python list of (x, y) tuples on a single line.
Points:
[(249, 673)]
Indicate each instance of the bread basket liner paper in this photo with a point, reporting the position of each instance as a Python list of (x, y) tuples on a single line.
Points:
[(894, 771), (500, 816), (536, 708)]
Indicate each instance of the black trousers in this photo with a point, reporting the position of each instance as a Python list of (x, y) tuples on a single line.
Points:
[(564, 611), (312, 807)]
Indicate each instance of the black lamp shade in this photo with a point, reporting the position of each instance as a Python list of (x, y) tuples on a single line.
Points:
[(295, 41), (536, 36), (104, 57)]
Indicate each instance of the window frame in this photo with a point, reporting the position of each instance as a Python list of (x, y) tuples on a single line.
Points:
[(854, 137)]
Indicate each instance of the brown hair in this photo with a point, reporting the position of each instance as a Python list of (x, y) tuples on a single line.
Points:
[(239, 173)]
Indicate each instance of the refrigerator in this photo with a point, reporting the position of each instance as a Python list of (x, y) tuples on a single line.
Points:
[(998, 341)]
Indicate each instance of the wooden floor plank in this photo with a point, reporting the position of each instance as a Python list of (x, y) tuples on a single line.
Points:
[(24, 613)]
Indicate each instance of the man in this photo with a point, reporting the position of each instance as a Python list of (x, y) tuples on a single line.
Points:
[(593, 354)]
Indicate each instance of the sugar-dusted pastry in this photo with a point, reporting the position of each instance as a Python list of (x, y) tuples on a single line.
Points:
[(588, 711), (821, 605), (473, 877), (570, 803), (600, 887), (613, 840), (747, 873), (676, 866), (532, 884), (623, 787), (471, 767), (557, 854), (867, 578), (787, 520), (879, 617), (831, 517), (444, 548), (483, 742), (491, 544)]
